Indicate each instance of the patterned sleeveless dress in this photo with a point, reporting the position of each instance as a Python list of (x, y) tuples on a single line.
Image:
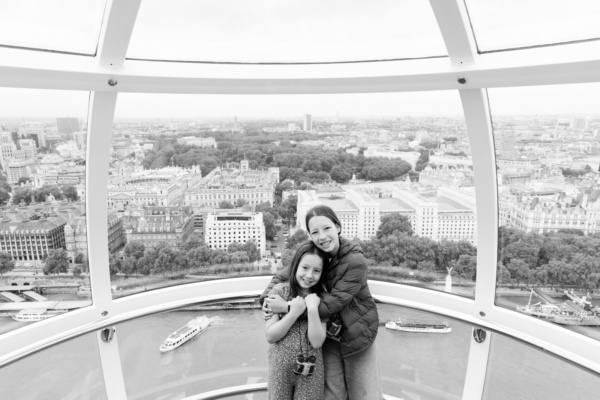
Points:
[(283, 383)]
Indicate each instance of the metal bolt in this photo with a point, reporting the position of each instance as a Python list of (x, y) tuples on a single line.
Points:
[(462, 80), (112, 82), (104, 313), (482, 313), (479, 335)]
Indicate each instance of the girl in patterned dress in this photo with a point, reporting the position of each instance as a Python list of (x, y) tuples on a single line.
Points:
[(295, 357)]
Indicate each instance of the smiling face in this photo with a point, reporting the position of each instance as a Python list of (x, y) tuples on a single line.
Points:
[(309, 272), (325, 234)]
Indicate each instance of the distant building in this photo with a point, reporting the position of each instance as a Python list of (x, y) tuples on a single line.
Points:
[(224, 228), (80, 138), (307, 123), (154, 225), (67, 125), (544, 214), (230, 184), (30, 236), (448, 214), (198, 141), (163, 187), (358, 212), (445, 176), (451, 161)]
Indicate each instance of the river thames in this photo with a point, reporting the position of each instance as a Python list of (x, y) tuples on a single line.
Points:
[(233, 351)]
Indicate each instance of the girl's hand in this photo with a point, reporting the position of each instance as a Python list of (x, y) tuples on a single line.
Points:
[(297, 306), (274, 304), (312, 301)]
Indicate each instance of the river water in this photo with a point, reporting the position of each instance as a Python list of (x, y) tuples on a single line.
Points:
[(233, 351)]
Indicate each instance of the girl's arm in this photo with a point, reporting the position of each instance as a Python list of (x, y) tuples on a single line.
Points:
[(276, 328), (316, 329), (348, 286)]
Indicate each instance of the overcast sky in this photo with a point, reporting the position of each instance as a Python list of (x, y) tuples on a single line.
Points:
[(296, 30), (581, 99)]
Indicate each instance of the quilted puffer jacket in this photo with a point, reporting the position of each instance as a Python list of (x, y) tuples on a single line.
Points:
[(348, 296)]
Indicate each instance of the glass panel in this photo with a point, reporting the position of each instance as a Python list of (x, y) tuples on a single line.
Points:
[(64, 25), (225, 194), (520, 371), (548, 159), (285, 32), (430, 365), (69, 370), (505, 24), (43, 235)]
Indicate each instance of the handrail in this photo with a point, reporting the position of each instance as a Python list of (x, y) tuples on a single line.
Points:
[(230, 391), (243, 389)]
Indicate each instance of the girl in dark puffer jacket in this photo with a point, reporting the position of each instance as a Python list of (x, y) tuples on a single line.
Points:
[(350, 358)]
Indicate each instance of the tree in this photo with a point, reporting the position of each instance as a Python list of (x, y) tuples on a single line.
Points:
[(465, 266), (114, 264), (298, 237), (134, 249), (79, 258), (269, 223), (289, 207), (56, 262), (503, 275), (393, 224), (519, 270), (6, 263), (45, 191), (192, 242), (250, 248), (340, 174), (128, 266), (4, 197), (70, 192), (24, 180), (240, 203), (23, 194), (165, 260), (226, 204), (85, 265), (77, 272)]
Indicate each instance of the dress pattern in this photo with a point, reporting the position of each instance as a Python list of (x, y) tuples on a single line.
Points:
[(283, 384)]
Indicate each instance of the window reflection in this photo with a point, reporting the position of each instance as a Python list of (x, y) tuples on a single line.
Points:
[(70, 370), (205, 198), (285, 32), (432, 365), (43, 230), (65, 25), (547, 157), (520, 371), (506, 24)]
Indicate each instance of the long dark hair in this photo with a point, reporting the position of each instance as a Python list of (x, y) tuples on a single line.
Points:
[(307, 247), (323, 211)]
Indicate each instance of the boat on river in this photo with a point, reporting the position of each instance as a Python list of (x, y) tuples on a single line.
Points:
[(563, 314), (398, 325), (35, 314), (185, 333)]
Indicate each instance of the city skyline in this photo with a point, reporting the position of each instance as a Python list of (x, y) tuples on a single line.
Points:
[(580, 100)]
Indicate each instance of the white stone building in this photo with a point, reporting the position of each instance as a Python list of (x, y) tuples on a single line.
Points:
[(224, 228)]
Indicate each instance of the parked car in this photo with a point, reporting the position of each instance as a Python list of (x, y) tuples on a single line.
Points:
[(28, 265)]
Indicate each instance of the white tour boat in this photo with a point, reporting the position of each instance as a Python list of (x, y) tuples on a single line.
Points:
[(185, 333), (35, 314), (398, 325)]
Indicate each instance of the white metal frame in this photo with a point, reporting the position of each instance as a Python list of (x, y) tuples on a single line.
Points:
[(573, 63)]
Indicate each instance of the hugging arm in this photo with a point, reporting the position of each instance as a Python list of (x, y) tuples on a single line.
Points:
[(282, 276), (348, 286)]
